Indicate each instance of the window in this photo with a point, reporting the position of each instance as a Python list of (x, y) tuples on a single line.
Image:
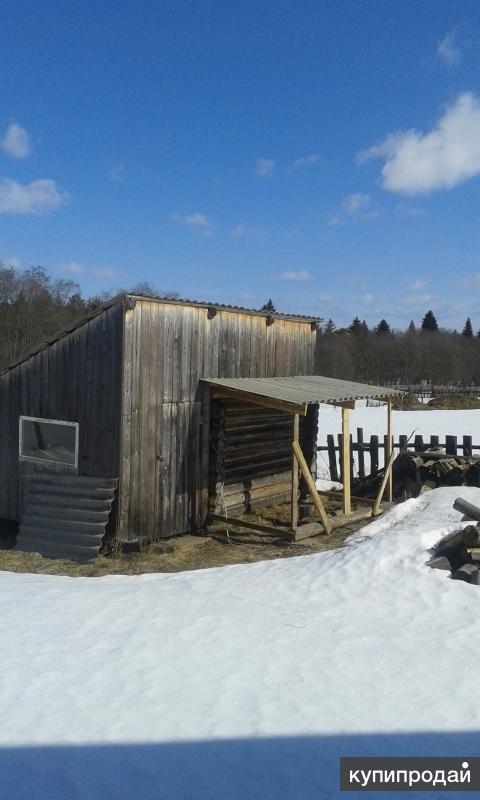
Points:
[(49, 440)]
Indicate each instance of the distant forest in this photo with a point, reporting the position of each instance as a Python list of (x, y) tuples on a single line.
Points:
[(34, 305), (386, 356)]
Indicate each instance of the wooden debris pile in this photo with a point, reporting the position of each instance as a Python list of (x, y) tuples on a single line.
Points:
[(459, 552), (414, 471)]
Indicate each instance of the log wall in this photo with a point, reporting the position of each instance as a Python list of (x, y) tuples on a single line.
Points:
[(251, 455)]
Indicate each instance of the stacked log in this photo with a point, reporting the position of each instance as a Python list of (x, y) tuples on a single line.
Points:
[(415, 471), (251, 455)]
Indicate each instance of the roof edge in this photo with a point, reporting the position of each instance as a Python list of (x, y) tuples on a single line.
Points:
[(55, 337)]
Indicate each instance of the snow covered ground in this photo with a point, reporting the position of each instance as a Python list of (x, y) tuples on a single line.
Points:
[(373, 420), (240, 682)]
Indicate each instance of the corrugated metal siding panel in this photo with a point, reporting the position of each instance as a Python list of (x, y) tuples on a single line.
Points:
[(305, 389), (65, 516)]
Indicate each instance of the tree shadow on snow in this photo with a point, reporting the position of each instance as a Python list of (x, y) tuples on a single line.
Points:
[(283, 768)]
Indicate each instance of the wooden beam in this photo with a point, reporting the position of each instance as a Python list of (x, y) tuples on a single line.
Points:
[(296, 436), (344, 404), (255, 526), (345, 455), (379, 497), (326, 522), (224, 392), (389, 449), (367, 501), (346, 519)]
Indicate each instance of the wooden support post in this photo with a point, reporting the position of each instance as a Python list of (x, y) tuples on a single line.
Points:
[(326, 522), (345, 455), (387, 473), (389, 450), (296, 436)]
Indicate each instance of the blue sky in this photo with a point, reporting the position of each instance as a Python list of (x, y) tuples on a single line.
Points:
[(324, 154)]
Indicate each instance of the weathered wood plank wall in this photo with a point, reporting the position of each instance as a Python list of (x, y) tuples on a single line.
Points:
[(78, 379), (164, 451)]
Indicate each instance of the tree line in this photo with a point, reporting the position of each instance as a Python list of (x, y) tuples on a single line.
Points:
[(384, 355), (34, 305)]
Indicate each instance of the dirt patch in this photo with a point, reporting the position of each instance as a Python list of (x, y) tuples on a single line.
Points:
[(188, 552)]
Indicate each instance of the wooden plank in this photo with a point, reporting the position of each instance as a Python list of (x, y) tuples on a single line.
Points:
[(403, 441), (450, 445), (379, 497), (332, 457), (311, 487), (373, 455), (308, 530), (360, 454), (255, 526), (389, 449), (345, 456), (339, 496), (341, 520), (266, 402), (467, 446), (294, 502)]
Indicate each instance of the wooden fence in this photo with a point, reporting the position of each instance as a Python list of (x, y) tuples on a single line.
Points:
[(374, 447)]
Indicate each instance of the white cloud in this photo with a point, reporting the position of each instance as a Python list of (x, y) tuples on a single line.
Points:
[(449, 154), (105, 272), (418, 284), (356, 205), (38, 197), (306, 161), (250, 233), (264, 167), (246, 297), (448, 49), (326, 297), (117, 174), (15, 142), (197, 220), (11, 262), (71, 266), (472, 281), (418, 300), (294, 275), (368, 298)]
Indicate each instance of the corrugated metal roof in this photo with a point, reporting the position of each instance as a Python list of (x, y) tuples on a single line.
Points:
[(305, 389)]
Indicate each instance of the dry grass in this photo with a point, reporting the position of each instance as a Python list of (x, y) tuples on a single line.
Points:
[(447, 402), (187, 552), (454, 402)]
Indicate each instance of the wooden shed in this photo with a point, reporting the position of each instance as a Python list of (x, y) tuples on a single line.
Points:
[(113, 410)]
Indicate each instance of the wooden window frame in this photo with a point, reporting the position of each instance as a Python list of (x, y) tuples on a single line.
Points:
[(22, 457)]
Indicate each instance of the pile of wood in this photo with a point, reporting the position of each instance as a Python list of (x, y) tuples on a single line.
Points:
[(459, 552), (419, 470)]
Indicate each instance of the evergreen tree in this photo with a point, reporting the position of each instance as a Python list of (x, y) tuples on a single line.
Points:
[(468, 330), (429, 322), (383, 327), (269, 307), (356, 327), (411, 327), (330, 327)]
